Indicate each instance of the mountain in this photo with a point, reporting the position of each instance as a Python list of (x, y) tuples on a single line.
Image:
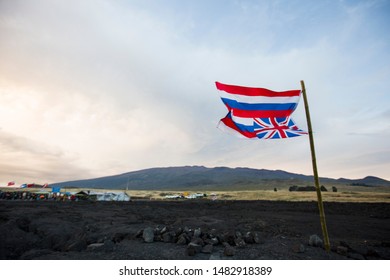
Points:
[(203, 178), (369, 181)]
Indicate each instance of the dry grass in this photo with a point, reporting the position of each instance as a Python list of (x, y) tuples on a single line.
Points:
[(312, 196), (282, 195), (347, 194)]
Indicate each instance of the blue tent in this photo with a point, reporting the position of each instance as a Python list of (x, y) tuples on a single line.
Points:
[(56, 189)]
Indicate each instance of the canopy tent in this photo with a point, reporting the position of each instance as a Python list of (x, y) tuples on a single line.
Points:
[(111, 196)]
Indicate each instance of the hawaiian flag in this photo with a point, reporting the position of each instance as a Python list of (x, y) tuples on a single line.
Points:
[(258, 112)]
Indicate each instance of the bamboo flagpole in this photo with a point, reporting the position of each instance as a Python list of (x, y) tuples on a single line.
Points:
[(315, 171)]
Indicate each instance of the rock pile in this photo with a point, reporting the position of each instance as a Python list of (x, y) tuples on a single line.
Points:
[(200, 241), (344, 249)]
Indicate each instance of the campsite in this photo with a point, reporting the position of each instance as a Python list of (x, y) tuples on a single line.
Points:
[(203, 228)]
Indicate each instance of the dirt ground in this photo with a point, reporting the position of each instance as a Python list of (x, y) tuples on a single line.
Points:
[(201, 229)]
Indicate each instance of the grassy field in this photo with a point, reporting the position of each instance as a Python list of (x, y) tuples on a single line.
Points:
[(344, 194), (279, 196)]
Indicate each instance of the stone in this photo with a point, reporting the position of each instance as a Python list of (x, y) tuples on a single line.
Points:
[(187, 230), (157, 230), (118, 237), (298, 248), (108, 246), (315, 241), (197, 232), (213, 233), (208, 249), (148, 235), (168, 237), (239, 242), (257, 238), (178, 231), (187, 237), (181, 240), (157, 238), (94, 246), (139, 233), (163, 230), (189, 233), (248, 238), (228, 237), (197, 240), (342, 250), (229, 251), (193, 249), (212, 241)]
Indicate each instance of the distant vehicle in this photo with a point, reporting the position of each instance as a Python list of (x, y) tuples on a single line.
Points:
[(175, 196), (195, 195)]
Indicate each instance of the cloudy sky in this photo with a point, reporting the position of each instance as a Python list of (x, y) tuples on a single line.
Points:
[(95, 88)]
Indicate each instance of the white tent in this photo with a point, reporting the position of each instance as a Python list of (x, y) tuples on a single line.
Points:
[(112, 196)]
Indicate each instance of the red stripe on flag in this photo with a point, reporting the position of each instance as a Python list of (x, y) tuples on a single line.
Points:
[(250, 91), (261, 113)]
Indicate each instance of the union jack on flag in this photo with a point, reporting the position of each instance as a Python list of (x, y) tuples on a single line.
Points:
[(275, 128), (258, 112)]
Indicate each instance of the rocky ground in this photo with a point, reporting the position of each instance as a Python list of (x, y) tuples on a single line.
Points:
[(201, 229)]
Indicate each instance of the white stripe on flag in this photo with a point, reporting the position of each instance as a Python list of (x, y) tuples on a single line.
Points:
[(243, 121), (259, 99)]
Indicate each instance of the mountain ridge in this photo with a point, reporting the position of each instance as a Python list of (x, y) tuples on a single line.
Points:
[(216, 178)]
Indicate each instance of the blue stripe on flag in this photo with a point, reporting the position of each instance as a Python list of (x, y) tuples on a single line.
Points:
[(244, 127), (264, 106)]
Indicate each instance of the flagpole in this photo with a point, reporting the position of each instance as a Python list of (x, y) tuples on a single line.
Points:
[(315, 172)]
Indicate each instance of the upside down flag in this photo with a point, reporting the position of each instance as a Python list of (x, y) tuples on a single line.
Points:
[(258, 112)]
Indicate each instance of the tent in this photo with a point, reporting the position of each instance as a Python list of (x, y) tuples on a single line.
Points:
[(112, 196), (82, 195), (55, 189)]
